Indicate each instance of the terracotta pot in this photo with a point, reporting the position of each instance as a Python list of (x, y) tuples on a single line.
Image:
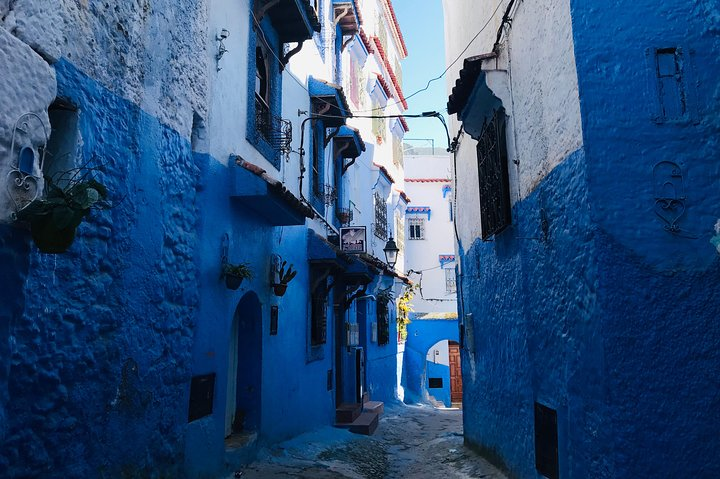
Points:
[(280, 289), (233, 282)]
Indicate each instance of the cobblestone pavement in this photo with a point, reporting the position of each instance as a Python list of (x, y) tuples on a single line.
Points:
[(410, 442)]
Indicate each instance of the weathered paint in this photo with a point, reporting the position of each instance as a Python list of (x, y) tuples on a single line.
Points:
[(101, 348), (587, 304)]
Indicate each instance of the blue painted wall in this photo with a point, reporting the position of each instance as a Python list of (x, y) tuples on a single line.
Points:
[(422, 335), (101, 345), (606, 316), (439, 371), (381, 360)]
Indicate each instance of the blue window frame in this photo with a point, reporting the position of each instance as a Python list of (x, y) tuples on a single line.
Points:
[(265, 87), (317, 166)]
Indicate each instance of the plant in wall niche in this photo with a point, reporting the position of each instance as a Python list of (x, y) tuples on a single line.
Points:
[(404, 310), (234, 274), (282, 277), (69, 197)]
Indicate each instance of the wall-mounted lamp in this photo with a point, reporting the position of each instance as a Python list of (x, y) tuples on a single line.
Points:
[(221, 48), (391, 252)]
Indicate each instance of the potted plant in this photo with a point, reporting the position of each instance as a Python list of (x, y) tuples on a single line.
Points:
[(235, 274), (284, 276), (55, 217)]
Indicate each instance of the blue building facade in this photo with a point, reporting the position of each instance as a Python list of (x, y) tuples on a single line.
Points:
[(127, 355), (587, 299)]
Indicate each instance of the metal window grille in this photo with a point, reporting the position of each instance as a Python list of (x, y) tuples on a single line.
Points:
[(417, 228), (383, 324), (494, 184), (276, 131), (380, 227), (450, 285), (318, 325)]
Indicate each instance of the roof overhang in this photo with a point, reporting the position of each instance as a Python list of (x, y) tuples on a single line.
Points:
[(350, 136), (267, 197), (294, 20), (346, 16), (329, 102), (472, 99)]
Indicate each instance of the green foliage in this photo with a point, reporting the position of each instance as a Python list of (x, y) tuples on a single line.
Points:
[(286, 275), (404, 310), (54, 218), (241, 270)]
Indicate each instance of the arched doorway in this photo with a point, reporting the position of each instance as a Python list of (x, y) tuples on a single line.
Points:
[(242, 414), (443, 375)]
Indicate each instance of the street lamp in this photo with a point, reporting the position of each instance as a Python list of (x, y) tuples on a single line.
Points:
[(391, 252)]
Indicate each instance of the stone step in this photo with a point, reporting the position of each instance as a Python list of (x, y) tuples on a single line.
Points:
[(365, 424), (377, 407), (346, 413)]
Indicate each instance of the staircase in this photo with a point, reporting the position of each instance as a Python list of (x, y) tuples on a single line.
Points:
[(359, 418)]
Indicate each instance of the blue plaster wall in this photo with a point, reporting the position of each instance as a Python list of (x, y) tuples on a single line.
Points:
[(434, 370), (294, 383), (381, 360), (101, 350), (604, 315), (422, 335)]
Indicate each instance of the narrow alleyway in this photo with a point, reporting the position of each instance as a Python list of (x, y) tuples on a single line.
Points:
[(411, 442)]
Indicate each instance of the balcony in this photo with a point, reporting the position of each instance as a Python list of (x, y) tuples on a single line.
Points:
[(275, 131)]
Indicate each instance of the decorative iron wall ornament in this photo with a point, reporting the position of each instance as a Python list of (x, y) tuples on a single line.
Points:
[(24, 180), (670, 196)]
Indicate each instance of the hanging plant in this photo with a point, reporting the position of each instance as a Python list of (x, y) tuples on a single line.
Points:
[(54, 219), (284, 276), (234, 274)]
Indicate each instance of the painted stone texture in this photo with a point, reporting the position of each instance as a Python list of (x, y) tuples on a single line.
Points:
[(595, 301), (102, 323)]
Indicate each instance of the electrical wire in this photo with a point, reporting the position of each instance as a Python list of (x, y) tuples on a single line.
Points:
[(427, 86)]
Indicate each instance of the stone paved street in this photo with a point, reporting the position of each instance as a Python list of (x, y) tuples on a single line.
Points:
[(410, 442)]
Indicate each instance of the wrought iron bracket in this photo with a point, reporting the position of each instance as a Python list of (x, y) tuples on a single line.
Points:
[(286, 58)]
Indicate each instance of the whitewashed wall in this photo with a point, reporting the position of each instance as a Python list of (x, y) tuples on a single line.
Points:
[(534, 76), (423, 255)]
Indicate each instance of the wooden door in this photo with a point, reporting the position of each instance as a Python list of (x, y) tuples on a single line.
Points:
[(455, 372)]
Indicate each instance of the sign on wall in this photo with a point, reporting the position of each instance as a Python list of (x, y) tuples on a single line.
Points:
[(353, 239)]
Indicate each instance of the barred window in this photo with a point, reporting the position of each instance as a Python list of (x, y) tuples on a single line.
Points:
[(417, 228), (493, 177), (450, 285), (318, 315), (380, 227), (383, 324)]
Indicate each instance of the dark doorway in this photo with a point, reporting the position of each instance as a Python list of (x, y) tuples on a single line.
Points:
[(245, 368)]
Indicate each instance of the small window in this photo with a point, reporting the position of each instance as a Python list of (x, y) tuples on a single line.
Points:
[(317, 158), (262, 93), (435, 383), (63, 143), (493, 177), (383, 324), (417, 228), (671, 86), (202, 394), (546, 442), (318, 327), (450, 285)]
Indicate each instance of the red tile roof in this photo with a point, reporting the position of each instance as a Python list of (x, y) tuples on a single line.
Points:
[(384, 172), (381, 50), (427, 180), (396, 25)]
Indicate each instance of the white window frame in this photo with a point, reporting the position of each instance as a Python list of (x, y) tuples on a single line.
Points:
[(416, 221)]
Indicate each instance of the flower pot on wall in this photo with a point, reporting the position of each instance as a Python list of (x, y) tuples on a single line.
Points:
[(232, 281), (279, 289)]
